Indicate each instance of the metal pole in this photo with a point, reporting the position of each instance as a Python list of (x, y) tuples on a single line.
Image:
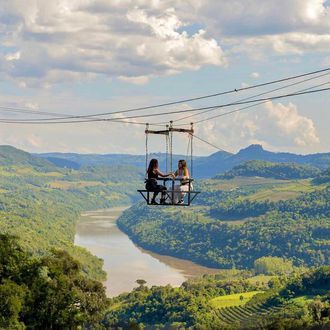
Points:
[(171, 146), (191, 149), (146, 131), (166, 156)]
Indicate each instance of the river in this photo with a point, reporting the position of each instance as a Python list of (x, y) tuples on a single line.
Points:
[(124, 262)]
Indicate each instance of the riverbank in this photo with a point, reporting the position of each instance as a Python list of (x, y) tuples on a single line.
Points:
[(125, 262)]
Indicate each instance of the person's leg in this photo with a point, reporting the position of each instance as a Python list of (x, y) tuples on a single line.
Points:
[(152, 187), (153, 200), (183, 190), (163, 192), (176, 194)]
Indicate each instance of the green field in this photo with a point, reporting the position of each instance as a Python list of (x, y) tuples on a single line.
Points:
[(284, 191), (233, 299), (260, 278)]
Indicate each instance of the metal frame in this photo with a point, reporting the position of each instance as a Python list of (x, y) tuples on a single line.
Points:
[(168, 132), (191, 194)]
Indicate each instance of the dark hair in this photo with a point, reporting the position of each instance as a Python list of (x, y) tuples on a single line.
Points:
[(152, 165), (183, 163)]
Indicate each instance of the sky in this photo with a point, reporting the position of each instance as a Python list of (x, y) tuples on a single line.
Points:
[(79, 57)]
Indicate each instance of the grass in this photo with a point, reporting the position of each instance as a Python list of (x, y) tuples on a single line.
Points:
[(237, 182), (233, 299), (301, 300), (284, 191), (260, 278), (65, 185)]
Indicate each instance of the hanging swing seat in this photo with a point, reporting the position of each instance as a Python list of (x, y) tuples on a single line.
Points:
[(170, 194)]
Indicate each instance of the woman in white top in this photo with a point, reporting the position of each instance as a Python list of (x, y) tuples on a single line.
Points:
[(182, 186)]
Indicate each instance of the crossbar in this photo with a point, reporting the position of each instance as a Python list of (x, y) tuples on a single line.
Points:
[(181, 130), (163, 132)]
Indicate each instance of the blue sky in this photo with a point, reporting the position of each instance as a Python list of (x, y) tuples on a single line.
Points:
[(84, 56)]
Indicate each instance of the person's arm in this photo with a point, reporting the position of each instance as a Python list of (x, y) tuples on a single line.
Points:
[(163, 175)]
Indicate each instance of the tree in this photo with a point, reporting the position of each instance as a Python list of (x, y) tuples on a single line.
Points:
[(315, 308), (48, 293), (272, 266), (141, 282), (62, 297), (12, 299)]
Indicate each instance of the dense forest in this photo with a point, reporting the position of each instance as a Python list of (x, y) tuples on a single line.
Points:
[(40, 203), (296, 301), (271, 170), (52, 293), (239, 220), (264, 224), (46, 293)]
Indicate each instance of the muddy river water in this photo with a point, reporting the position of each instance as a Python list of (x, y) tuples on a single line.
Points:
[(124, 262)]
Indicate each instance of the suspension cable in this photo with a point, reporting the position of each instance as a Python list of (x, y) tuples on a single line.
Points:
[(247, 107), (175, 112), (210, 144), (257, 95), (146, 132), (66, 117)]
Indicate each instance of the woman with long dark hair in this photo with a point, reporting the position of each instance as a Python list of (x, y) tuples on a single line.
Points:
[(154, 173)]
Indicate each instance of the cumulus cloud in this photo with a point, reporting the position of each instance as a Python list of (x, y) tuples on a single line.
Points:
[(255, 75), (258, 27), (292, 125), (135, 41), (276, 126), (69, 40)]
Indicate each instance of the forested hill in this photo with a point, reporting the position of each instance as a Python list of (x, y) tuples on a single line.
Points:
[(323, 177), (10, 156), (271, 170), (237, 220), (40, 203), (51, 293), (300, 302), (204, 167)]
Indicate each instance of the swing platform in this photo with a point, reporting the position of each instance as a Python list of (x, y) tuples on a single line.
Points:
[(170, 193), (189, 195)]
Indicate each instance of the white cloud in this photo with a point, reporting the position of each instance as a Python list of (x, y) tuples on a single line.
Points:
[(255, 75), (81, 38), (274, 125), (263, 28), (13, 56), (62, 40), (291, 124), (138, 80)]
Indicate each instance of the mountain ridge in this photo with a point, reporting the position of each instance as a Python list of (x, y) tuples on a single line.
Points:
[(204, 166)]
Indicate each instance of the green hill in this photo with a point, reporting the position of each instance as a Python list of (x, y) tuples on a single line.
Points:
[(323, 177), (204, 167), (40, 203), (300, 301), (234, 222), (10, 156), (265, 169)]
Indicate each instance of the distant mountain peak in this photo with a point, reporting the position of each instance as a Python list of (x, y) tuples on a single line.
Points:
[(253, 148)]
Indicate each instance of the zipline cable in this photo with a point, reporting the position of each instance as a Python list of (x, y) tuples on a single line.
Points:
[(248, 107), (172, 112), (253, 96), (209, 143), (66, 117)]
